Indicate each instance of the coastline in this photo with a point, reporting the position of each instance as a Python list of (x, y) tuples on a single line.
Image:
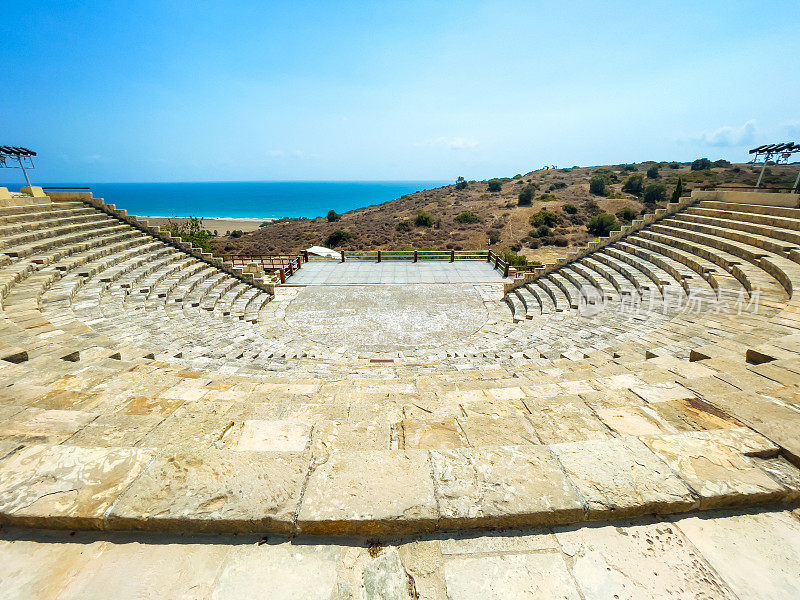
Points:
[(221, 225)]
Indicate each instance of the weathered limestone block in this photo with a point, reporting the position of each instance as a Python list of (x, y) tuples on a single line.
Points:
[(431, 435), (564, 419), (45, 425), (638, 561), (371, 492), (505, 576), (622, 477), (66, 486), (503, 487), (757, 554), (717, 472), (662, 392), (275, 436), (215, 491), (385, 578), (509, 430)]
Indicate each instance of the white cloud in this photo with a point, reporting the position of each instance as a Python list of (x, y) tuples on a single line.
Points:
[(450, 143), (792, 129), (728, 136)]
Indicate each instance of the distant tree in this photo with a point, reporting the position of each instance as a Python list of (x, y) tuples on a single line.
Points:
[(634, 185), (677, 192), (655, 193), (338, 237), (526, 194), (423, 220), (597, 186), (602, 224), (570, 209), (191, 231), (468, 218), (721, 163), (494, 185), (701, 164), (332, 216), (461, 183), (629, 168), (674, 166), (652, 172)]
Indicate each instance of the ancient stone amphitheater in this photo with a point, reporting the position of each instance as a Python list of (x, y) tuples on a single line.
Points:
[(625, 423)]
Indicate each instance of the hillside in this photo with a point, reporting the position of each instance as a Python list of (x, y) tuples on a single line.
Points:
[(469, 216)]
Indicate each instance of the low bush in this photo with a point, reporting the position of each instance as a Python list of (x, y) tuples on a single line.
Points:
[(558, 185), (494, 185), (338, 237), (652, 172), (602, 224), (461, 183), (627, 214), (423, 220), (191, 231), (597, 186), (655, 193), (494, 236), (634, 185), (514, 259), (674, 166), (468, 218), (570, 209), (701, 164), (526, 194), (403, 226), (542, 231), (545, 217)]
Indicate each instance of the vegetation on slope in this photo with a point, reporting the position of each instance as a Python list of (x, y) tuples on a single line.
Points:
[(543, 209)]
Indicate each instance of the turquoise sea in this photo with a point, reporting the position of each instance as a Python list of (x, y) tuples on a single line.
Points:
[(247, 199)]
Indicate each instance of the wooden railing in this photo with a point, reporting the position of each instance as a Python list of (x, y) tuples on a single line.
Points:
[(428, 255), (283, 266)]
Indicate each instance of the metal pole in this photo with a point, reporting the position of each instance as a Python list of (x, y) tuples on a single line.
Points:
[(766, 159), (21, 166)]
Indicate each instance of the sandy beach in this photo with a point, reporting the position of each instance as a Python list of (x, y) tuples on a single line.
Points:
[(220, 225)]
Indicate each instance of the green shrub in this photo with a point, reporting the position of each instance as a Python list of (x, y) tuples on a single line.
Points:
[(597, 186), (461, 183), (494, 185), (676, 193), (546, 198), (561, 241), (627, 214), (403, 226), (338, 237), (721, 163), (468, 218), (602, 224), (634, 185), (192, 232), (701, 164), (654, 193), (423, 220), (558, 185), (652, 172), (674, 166), (525, 197), (237, 233), (494, 236), (332, 216), (541, 231), (570, 209), (545, 217), (629, 168), (514, 259)]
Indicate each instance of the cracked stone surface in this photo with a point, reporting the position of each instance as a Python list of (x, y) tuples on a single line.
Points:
[(622, 477)]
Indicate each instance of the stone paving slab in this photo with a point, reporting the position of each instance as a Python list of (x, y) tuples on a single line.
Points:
[(395, 272)]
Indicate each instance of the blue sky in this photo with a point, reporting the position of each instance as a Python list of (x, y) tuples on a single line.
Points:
[(199, 91)]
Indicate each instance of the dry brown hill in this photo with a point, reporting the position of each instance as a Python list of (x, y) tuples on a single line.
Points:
[(473, 217)]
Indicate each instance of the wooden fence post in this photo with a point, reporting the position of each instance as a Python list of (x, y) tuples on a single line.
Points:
[(342, 255), (505, 272), (415, 256), (282, 275), (452, 255), (379, 256)]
